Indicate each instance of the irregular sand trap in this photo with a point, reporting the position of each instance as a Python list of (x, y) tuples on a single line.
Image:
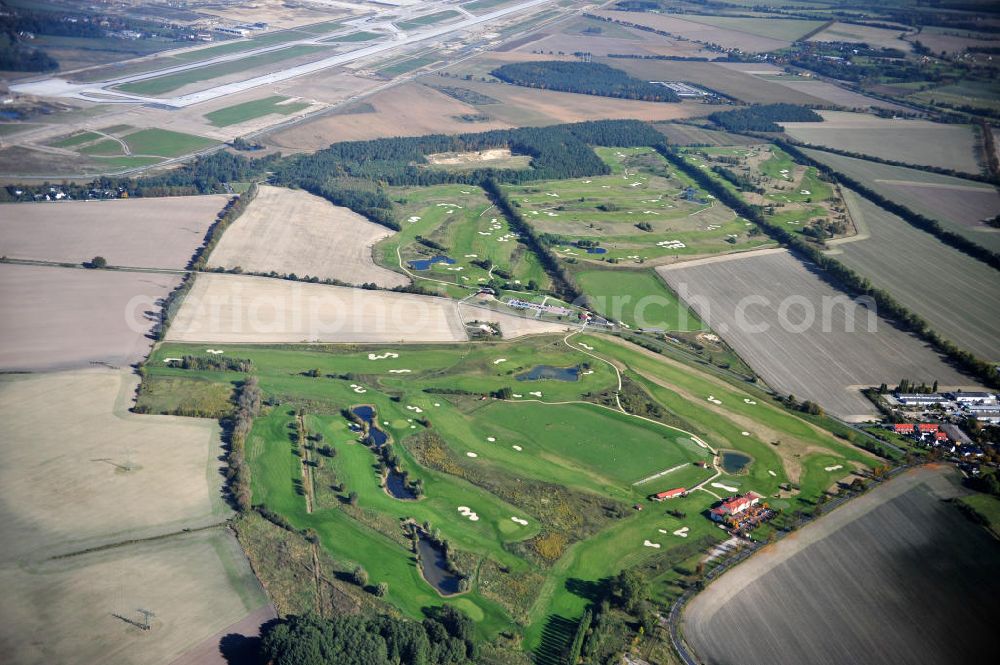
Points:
[(491, 439), (240, 308), (648, 543), (387, 354), (520, 521), (835, 467), (772, 473), (725, 487), (682, 532), (62, 318), (745, 433), (517, 448), (139, 233), (470, 454), (536, 393), (292, 231), (400, 371), (499, 360)]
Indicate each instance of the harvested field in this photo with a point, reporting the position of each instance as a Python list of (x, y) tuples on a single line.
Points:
[(910, 141), (889, 257), (679, 134), (960, 205), (243, 309), (874, 37), (727, 80), (926, 593), (61, 318), (810, 86), (759, 303), (292, 231), (727, 37), (144, 233), (96, 475)]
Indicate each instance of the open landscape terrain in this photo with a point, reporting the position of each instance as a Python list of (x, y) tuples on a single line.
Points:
[(499, 332)]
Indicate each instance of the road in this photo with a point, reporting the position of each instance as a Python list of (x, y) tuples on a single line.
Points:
[(102, 91)]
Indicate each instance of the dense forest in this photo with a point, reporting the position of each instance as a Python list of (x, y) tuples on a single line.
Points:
[(16, 56), (763, 118), (588, 78)]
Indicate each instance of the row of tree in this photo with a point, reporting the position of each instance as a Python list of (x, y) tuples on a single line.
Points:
[(248, 404), (837, 273)]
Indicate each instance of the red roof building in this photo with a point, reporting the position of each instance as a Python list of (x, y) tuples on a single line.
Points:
[(669, 494), (927, 427), (903, 428), (941, 436), (734, 505)]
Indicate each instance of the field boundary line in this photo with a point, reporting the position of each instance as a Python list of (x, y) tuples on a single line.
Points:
[(136, 541)]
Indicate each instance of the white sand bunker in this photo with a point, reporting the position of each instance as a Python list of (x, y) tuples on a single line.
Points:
[(516, 395), (682, 532), (499, 360), (358, 389), (214, 352), (834, 467), (472, 256), (387, 354), (520, 521), (449, 205), (517, 448), (414, 219), (805, 192), (748, 401), (745, 433), (536, 393), (400, 371), (491, 439), (711, 398), (728, 488), (437, 403), (649, 543), (172, 360), (465, 511), (471, 455), (772, 473), (415, 409)]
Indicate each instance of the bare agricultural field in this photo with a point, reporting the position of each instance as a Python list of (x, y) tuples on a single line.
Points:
[(96, 475), (63, 318), (925, 594), (681, 134), (812, 87), (969, 317), (910, 141), (962, 206), (242, 309), (292, 231), (144, 233), (875, 37), (727, 37), (795, 330)]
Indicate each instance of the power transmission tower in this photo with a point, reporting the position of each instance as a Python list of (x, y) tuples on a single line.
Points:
[(146, 616)]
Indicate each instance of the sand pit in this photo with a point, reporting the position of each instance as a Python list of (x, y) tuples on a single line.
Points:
[(518, 520), (138, 233), (682, 532), (63, 318), (292, 231), (728, 488), (835, 467), (649, 543), (239, 308)]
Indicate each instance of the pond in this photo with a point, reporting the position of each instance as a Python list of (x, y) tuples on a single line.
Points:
[(367, 414), (596, 250), (435, 567), (733, 462), (395, 485), (425, 264), (549, 372)]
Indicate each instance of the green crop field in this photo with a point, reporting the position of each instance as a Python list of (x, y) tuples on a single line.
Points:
[(638, 299), (644, 211), (103, 148), (361, 36), (557, 455), (429, 19), (408, 65), (462, 220), (163, 84), (74, 140), (256, 108), (240, 46), (165, 143)]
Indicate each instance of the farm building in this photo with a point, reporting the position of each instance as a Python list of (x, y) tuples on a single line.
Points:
[(734, 506), (919, 399), (974, 398), (669, 494)]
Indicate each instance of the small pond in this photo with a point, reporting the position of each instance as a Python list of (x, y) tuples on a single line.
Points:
[(733, 462), (425, 264), (549, 372), (435, 567), (596, 250), (367, 414), (395, 484)]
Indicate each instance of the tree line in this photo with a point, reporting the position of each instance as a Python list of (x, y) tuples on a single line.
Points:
[(588, 78), (932, 226), (836, 272), (763, 118)]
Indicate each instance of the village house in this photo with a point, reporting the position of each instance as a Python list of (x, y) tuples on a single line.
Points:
[(669, 494)]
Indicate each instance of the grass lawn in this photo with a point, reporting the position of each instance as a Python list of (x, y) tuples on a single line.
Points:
[(165, 143), (183, 396), (408, 65), (74, 140), (239, 46), (256, 108), (429, 19), (639, 299), (361, 36), (163, 84), (988, 508), (104, 148)]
